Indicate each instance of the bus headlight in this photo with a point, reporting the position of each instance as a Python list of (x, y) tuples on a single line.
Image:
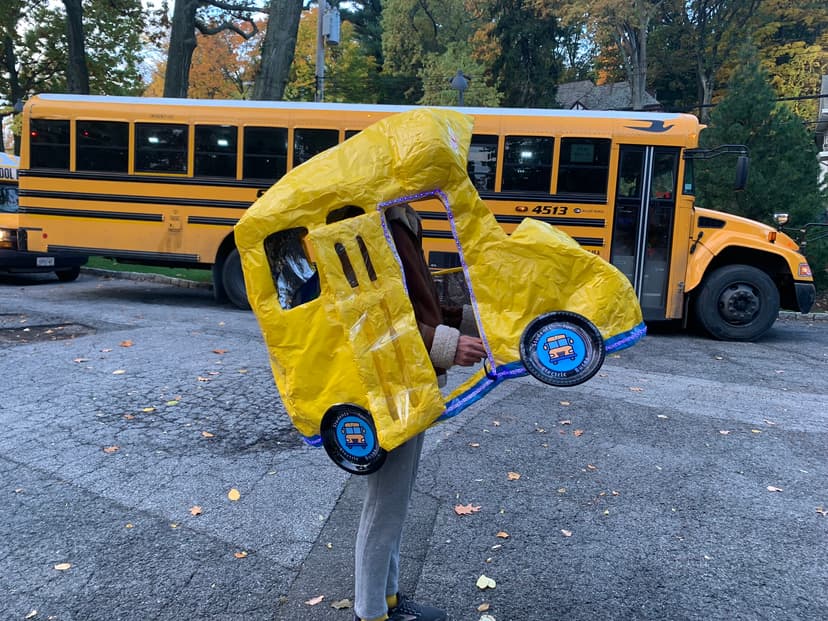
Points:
[(805, 271), (7, 238)]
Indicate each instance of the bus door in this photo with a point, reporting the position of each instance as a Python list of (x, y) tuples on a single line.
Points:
[(645, 202)]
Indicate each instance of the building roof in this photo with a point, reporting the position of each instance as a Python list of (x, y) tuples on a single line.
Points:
[(585, 95)]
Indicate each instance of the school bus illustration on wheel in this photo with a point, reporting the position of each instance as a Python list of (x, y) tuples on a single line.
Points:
[(559, 346), (320, 267)]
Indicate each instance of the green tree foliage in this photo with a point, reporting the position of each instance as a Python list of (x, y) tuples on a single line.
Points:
[(784, 169), (438, 71), (528, 67)]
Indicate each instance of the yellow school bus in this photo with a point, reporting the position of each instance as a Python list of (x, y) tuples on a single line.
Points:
[(12, 260), (163, 181)]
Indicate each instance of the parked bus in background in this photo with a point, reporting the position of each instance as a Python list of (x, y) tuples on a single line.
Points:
[(12, 260), (163, 181)]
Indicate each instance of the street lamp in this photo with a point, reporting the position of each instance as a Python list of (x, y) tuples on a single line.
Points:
[(460, 83)]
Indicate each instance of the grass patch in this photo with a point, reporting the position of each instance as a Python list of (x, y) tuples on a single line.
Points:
[(174, 272)]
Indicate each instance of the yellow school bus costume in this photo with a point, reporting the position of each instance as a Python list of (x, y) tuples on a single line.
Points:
[(350, 362)]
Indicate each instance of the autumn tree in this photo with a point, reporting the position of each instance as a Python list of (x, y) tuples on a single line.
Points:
[(215, 17), (278, 49), (626, 23)]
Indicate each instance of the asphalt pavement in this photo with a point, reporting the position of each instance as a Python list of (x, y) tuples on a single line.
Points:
[(150, 473)]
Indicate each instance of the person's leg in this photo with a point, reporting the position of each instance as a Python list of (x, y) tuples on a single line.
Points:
[(376, 568)]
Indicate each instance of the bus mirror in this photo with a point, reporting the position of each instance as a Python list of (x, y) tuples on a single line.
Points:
[(781, 219), (742, 165)]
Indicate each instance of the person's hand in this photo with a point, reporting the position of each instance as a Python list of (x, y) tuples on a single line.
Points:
[(470, 351)]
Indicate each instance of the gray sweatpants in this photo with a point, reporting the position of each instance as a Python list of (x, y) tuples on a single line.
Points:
[(377, 562)]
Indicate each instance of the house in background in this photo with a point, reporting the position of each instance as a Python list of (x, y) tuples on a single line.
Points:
[(586, 95), (822, 131)]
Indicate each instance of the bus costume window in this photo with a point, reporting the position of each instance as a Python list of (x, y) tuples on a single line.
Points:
[(294, 276)]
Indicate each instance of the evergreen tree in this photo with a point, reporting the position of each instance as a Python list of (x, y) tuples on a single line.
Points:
[(783, 159)]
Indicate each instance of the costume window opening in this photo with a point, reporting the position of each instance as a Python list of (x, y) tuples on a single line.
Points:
[(295, 278)]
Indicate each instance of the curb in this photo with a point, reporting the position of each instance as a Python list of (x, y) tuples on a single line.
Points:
[(159, 278), (192, 284)]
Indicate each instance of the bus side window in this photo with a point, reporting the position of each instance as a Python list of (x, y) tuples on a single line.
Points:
[(309, 142), (265, 152), (664, 177), (527, 164), (161, 147), (482, 163), (215, 151), (49, 144), (351, 132), (295, 278), (102, 146), (584, 166)]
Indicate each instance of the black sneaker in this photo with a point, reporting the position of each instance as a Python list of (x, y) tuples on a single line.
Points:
[(407, 610)]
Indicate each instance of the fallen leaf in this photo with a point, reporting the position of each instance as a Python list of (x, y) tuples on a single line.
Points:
[(129, 525), (466, 509), (474, 444), (342, 604), (513, 476), (233, 494), (564, 403), (562, 490), (484, 582), (242, 370), (578, 433), (63, 566), (241, 554), (80, 360), (496, 423), (32, 614), (129, 416), (662, 416), (314, 600), (564, 422), (755, 431), (771, 488), (174, 525), (150, 409), (110, 449), (822, 512), (483, 607), (106, 349), (207, 434), (195, 510), (566, 533), (502, 534), (173, 402), (636, 389), (219, 351), (724, 432), (201, 378), (591, 467), (126, 343), (118, 372)]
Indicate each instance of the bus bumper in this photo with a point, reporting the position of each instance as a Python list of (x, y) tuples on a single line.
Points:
[(18, 262), (805, 296)]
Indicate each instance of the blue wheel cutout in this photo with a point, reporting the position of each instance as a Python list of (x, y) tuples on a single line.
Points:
[(562, 348), (350, 439)]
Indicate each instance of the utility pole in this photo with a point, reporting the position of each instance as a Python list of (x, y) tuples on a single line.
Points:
[(320, 50)]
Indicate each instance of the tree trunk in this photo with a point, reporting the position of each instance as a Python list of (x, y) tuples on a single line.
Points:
[(277, 49), (182, 46), (77, 73)]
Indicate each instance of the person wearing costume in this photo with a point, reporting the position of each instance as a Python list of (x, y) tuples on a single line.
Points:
[(450, 337)]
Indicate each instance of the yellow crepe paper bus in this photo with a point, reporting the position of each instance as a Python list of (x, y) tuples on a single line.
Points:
[(163, 181), (12, 260), (330, 294)]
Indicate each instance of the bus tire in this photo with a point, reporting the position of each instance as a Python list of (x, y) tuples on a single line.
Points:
[(350, 439), (737, 303), (562, 349), (68, 275), (232, 279)]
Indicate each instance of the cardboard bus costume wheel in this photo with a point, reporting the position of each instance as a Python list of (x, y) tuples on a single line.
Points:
[(562, 349), (350, 439)]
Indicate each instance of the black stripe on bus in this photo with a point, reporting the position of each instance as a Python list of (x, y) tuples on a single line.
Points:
[(126, 254), (542, 197), (89, 213), (139, 200), (584, 241), (508, 219), (212, 221), (230, 182)]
